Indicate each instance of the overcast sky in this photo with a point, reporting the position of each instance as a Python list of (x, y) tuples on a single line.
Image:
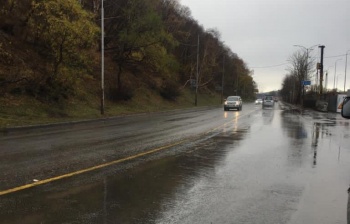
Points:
[(263, 32)]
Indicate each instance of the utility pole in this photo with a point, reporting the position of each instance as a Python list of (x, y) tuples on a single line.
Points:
[(305, 74), (346, 65), (102, 60), (222, 78), (335, 71), (321, 68), (195, 97)]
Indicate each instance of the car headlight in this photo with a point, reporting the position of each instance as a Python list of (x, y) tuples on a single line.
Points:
[(225, 102)]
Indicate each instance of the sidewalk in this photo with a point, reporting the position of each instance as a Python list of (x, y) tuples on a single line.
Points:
[(288, 106)]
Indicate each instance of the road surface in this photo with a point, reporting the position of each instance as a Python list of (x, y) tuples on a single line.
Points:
[(195, 166)]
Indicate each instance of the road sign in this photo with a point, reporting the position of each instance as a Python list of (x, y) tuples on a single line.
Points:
[(306, 83)]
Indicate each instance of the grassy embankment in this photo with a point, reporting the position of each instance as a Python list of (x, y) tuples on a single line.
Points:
[(23, 111)]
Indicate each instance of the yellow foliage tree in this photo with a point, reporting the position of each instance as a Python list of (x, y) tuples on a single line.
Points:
[(63, 29)]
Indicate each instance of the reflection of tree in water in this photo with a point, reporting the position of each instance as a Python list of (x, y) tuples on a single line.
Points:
[(294, 128), (319, 130), (137, 194), (267, 115), (153, 188), (292, 124), (315, 137), (141, 195)]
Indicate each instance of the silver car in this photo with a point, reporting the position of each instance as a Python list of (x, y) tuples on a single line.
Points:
[(268, 101), (233, 102), (258, 101)]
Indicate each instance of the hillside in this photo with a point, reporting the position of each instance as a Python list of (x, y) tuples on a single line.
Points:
[(19, 108), (50, 60)]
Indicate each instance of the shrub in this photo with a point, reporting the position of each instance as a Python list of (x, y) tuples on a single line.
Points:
[(170, 90)]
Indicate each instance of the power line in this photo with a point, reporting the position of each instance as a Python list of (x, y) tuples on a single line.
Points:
[(270, 66), (335, 56)]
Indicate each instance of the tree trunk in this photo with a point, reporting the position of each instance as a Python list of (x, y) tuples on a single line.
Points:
[(119, 82)]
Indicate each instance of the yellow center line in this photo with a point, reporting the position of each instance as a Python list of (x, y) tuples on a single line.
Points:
[(41, 182)]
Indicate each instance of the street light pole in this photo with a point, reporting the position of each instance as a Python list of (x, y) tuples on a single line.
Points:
[(337, 82), (307, 55), (326, 82), (197, 73), (346, 65), (102, 60), (335, 71), (222, 78)]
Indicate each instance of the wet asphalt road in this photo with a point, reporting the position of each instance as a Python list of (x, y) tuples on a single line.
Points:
[(197, 166)]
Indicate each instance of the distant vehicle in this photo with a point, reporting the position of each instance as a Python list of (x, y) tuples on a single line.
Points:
[(275, 99), (268, 101), (258, 101), (233, 102)]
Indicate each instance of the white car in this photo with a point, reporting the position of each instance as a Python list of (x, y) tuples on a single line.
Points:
[(268, 101), (258, 101), (233, 102)]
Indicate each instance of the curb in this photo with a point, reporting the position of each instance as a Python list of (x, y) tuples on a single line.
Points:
[(291, 106)]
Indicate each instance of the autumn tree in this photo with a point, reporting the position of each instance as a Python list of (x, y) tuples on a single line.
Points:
[(62, 33), (178, 22), (14, 15), (154, 41), (63, 29), (58, 33), (135, 37)]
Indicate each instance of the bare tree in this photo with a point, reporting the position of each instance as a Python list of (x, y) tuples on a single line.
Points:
[(288, 90), (301, 68)]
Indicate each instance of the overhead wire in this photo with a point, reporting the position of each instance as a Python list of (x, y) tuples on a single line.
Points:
[(272, 66)]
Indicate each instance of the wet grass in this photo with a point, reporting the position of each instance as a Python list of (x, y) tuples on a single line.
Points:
[(22, 111)]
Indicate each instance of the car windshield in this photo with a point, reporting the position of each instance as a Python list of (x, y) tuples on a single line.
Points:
[(268, 98), (233, 98)]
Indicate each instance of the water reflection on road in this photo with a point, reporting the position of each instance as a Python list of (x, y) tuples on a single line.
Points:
[(271, 166), (137, 196)]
